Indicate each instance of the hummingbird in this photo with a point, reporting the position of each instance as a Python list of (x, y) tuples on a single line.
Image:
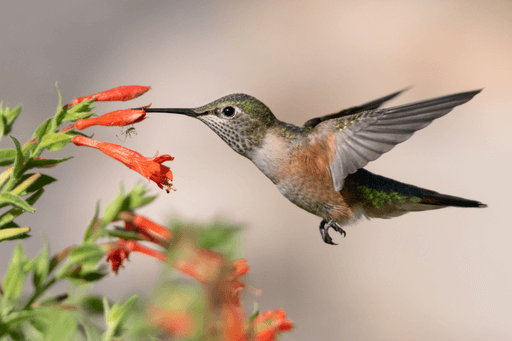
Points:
[(319, 166)]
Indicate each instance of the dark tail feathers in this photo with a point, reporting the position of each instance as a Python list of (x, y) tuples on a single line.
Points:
[(428, 197)]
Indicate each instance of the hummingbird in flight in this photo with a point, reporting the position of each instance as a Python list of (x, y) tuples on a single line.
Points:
[(319, 166)]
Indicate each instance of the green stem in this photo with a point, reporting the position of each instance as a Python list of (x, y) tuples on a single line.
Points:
[(39, 292)]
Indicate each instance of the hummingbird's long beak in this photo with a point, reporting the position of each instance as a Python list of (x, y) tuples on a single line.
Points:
[(181, 111)]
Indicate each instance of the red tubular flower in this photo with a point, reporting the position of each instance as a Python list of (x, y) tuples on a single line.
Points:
[(152, 231), (128, 226), (204, 265), (232, 312), (233, 323), (150, 168), (120, 250), (118, 118), (121, 93), (150, 226)]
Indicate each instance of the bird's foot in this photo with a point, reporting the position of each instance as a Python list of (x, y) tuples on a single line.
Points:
[(336, 228), (324, 231), (325, 234)]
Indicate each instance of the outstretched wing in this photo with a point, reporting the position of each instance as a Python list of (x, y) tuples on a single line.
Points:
[(363, 137), (353, 110)]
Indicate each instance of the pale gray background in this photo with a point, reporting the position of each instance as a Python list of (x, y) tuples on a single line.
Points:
[(441, 275)]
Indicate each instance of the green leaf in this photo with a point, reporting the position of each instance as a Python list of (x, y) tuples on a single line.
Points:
[(255, 313), (7, 156), (15, 276), (89, 234), (41, 266), (29, 147), (9, 216), (138, 198), (10, 116), (92, 304), (13, 233), (82, 110), (75, 116), (87, 255), (24, 182), (89, 276), (15, 200), (43, 129), (116, 317), (2, 127), (44, 162), (219, 237), (37, 184), (60, 96), (4, 176), (92, 331), (123, 234), (61, 112), (31, 200), (62, 326), (59, 117), (114, 207), (74, 133), (10, 225), (54, 141), (38, 324), (16, 319), (18, 161)]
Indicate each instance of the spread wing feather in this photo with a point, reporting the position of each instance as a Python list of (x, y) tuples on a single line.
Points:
[(364, 136), (353, 110)]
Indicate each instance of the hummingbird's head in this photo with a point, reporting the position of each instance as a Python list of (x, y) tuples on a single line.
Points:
[(240, 120)]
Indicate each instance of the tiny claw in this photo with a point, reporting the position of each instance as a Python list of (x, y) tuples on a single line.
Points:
[(325, 234), (337, 228)]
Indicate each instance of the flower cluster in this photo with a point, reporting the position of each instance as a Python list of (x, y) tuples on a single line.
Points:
[(221, 279), (151, 168)]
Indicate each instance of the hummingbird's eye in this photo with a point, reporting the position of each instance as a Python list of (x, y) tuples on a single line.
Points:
[(228, 111)]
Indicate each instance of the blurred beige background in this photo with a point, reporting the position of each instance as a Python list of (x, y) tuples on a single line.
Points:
[(441, 275)]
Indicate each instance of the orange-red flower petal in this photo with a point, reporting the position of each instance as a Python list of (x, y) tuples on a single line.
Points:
[(118, 118), (150, 226), (121, 93), (150, 168)]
